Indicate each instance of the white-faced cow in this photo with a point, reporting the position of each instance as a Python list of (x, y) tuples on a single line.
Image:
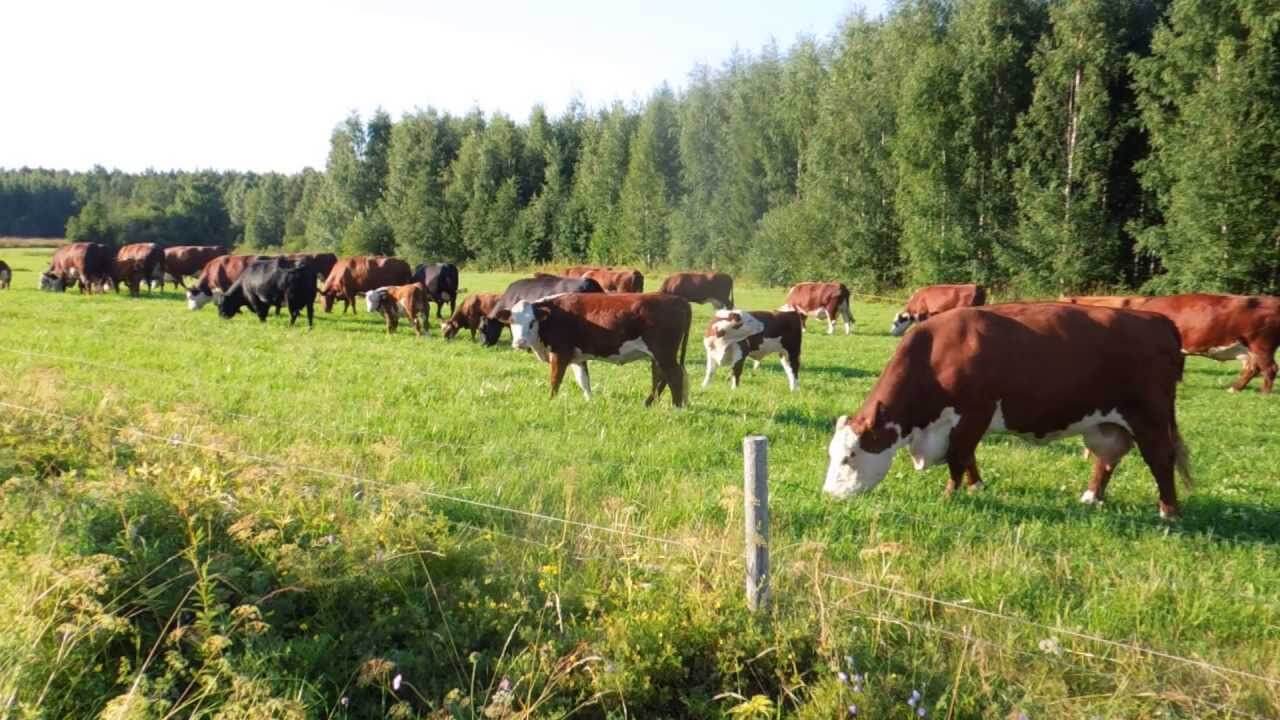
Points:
[(394, 302), (1222, 327), (532, 289), (1041, 370), (732, 336), (269, 283), (823, 300), (568, 330), (713, 287), (86, 263), (218, 275), (929, 301)]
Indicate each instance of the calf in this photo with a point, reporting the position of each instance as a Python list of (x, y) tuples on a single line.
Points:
[(357, 275), (1222, 327), (270, 283), (531, 289), (715, 288), (86, 263), (617, 279), (822, 300), (1042, 370), (568, 330), (470, 315), (136, 263), (934, 299), (399, 301), (441, 283), (732, 336), (6, 275)]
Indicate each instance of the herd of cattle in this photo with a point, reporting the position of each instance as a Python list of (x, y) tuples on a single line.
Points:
[(1105, 368)]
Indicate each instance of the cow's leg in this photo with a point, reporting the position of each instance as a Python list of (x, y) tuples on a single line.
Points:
[(792, 379), (559, 364), (1106, 444), (831, 320), (961, 444), (848, 317), (1156, 445), (392, 321), (1248, 370), (311, 314), (711, 367), (676, 378), (1262, 358), (972, 477), (582, 377)]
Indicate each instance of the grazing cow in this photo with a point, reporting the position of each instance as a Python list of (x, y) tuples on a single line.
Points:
[(1042, 370), (821, 300), (182, 261), (356, 275), (934, 299), (86, 263), (579, 270), (136, 263), (531, 289), (1222, 327), (471, 315), (568, 330), (322, 263), (396, 301), (441, 283), (270, 283), (616, 280), (6, 275), (733, 336), (715, 288), (218, 275)]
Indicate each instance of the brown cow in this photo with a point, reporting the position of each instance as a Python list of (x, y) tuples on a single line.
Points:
[(6, 275), (568, 330), (86, 263), (616, 280), (732, 336), (713, 287), (396, 301), (1222, 327), (821, 300), (471, 314), (580, 270), (322, 263), (1041, 370), (352, 276), (182, 261), (934, 299), (135, 263), (218, 275)]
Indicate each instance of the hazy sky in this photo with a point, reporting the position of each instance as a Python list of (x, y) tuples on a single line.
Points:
[(259, 84)]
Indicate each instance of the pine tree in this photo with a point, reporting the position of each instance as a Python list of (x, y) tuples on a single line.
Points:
[(651, 183)]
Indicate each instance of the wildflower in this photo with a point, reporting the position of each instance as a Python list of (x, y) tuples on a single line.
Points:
[(853, 711), (920, 712), (395, 681), (1051, 646), (914, 699), (505, 685), (843, 677), (345, 701)]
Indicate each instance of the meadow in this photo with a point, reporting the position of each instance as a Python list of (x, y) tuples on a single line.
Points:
[(314, 505)]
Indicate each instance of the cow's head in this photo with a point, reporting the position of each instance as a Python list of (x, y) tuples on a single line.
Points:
[(197, 298), (901, 322), (861, 451), (525, 319), (228, 304), (491, 326), (735, 325), (373, 299), (328, 300), (52, 282)]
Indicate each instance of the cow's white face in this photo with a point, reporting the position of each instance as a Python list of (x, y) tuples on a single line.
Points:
[(524, 326), (197, 300), (852, 470), (735, 325), (900, 324), (372, 300)]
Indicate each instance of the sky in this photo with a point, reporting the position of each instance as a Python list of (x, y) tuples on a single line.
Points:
[(259, 84)]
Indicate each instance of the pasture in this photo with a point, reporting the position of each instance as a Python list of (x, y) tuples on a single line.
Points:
[(1052, 609)]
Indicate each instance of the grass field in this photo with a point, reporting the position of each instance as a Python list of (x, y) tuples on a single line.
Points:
[(1035, 583)]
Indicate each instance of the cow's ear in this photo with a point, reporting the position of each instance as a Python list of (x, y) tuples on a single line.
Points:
[(842, 421)]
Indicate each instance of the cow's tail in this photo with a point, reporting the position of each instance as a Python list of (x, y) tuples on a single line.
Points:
[(684, 346), (1181, 458)]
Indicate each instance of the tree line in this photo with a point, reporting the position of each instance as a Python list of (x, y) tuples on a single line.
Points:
[(1045, 146)]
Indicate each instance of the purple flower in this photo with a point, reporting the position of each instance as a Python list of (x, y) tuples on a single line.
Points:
[(505, 685), (853, 711), (395, 681), (912, 701), (920, 712)]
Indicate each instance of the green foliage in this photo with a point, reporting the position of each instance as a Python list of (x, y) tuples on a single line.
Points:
[(265, 214)]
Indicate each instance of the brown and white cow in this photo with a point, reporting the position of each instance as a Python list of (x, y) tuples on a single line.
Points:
[(86, 263), (1041, 370), (822, 300), (616, 280), (470, 315), (568, 330), (352, 276), (933, 299), (181, 261), (218, 275), (6, 275), (1222, 327), (397, 301), (136, 263), (732, 336), (713, 287)]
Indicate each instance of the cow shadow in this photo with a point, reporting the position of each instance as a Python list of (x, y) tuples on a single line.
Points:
[(840, 371)]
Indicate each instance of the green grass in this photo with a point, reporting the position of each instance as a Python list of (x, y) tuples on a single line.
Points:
[(410, 414)]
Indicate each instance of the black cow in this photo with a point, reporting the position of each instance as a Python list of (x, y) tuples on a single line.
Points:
[(441, 282), (270, 283), (532, 289)]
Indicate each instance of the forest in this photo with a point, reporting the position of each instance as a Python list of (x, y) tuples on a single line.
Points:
[(1034, 146)]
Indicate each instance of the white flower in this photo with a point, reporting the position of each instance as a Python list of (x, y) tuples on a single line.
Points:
[(505, 685), (344, 701), (843, 677), (395, 681), (1051, 646)]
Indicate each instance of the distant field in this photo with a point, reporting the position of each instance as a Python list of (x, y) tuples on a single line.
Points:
[(7, 241), (459, 419)]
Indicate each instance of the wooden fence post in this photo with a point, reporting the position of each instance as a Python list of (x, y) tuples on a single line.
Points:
[(755, 493)]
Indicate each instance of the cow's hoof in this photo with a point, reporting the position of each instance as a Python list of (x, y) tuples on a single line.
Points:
[(976, 487), (1088, 498), (1169, 515)]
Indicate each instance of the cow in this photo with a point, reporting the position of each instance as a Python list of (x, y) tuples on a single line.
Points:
[(136, 263), (268, 283), (1041, 370), (617, 279), (732, 336), (181, 261), (1222, 327), (579, 270), (356, 275), (86, 263), (218, 275), (568, 330), (821, 300), (713, 287), (396, 301), (531, 289), (322, 263), (6, 275), (441, 283), (471, 315), (933, 299)]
